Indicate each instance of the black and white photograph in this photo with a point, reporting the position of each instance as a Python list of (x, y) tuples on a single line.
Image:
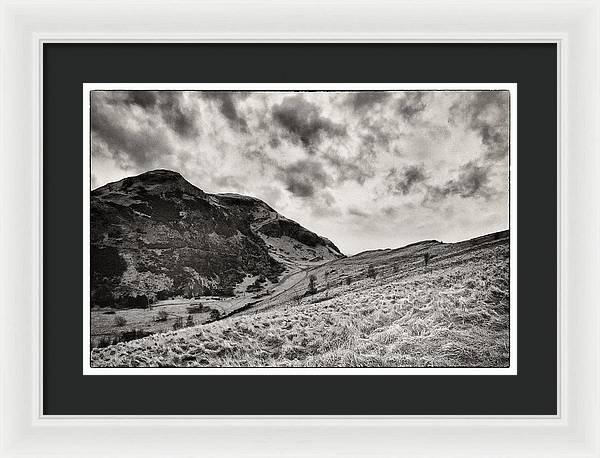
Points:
[(236, 229), (358, 228)]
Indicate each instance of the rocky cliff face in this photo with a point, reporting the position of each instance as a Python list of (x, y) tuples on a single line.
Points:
[(155, 236)]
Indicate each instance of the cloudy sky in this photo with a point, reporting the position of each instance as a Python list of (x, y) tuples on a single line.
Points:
[(365, 169)]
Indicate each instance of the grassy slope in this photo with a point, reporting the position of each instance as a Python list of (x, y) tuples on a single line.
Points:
[(454, 313)]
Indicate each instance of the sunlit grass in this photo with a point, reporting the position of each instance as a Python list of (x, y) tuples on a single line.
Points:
[(455, 313)]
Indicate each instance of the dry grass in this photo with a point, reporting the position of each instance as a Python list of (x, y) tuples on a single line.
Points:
[(158, 318), (455, 313)]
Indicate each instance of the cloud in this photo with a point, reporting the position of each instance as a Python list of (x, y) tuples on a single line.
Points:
[(323, 205), (403, 181), (486, 113), (472, 182), (227, 105), (389, 211), (304, 177), (355, 168), (366, 169), (376, 134), (303, 122), (228, 181), (366, 100), (411, 104), (143, 99), (130, 140), (170, 106), (355, 211)]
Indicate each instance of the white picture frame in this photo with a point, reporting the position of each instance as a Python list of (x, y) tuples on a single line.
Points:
[(573, 26)]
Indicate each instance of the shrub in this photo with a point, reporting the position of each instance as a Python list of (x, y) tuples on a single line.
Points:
[(195, 308), (178, 324), (190, 321), (162, 316), (227, 292), (348, 280), (142, 302), (120, 321), (312, 289), (426, 258), (162, 295), (102, 296), (296, 298), (137, 302), (214, 315), (256, 286), (133, 334), (106, 341), (371, 272)]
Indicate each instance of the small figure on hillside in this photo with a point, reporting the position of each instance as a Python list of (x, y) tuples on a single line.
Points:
[(426, 258)]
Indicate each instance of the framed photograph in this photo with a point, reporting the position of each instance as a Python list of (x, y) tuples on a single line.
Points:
[(370, 165), (233, 230)]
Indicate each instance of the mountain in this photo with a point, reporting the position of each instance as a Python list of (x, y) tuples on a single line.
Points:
[(156, 236)]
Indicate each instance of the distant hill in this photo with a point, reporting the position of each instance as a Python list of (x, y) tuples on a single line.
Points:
[(155, 236), (383, 264)]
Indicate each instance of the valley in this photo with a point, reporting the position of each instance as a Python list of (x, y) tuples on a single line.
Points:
[(381, 308)]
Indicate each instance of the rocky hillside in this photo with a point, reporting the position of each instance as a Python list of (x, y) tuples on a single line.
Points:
[(381, 308), (156, 236)]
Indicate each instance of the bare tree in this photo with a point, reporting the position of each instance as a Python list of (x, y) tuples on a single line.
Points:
[(312, 289), (190, 321), (371, 272), (426, 258), (296, 298)]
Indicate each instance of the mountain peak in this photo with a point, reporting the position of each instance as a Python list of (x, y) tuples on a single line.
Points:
[(164, 173), (158, 176), (155, 182)]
